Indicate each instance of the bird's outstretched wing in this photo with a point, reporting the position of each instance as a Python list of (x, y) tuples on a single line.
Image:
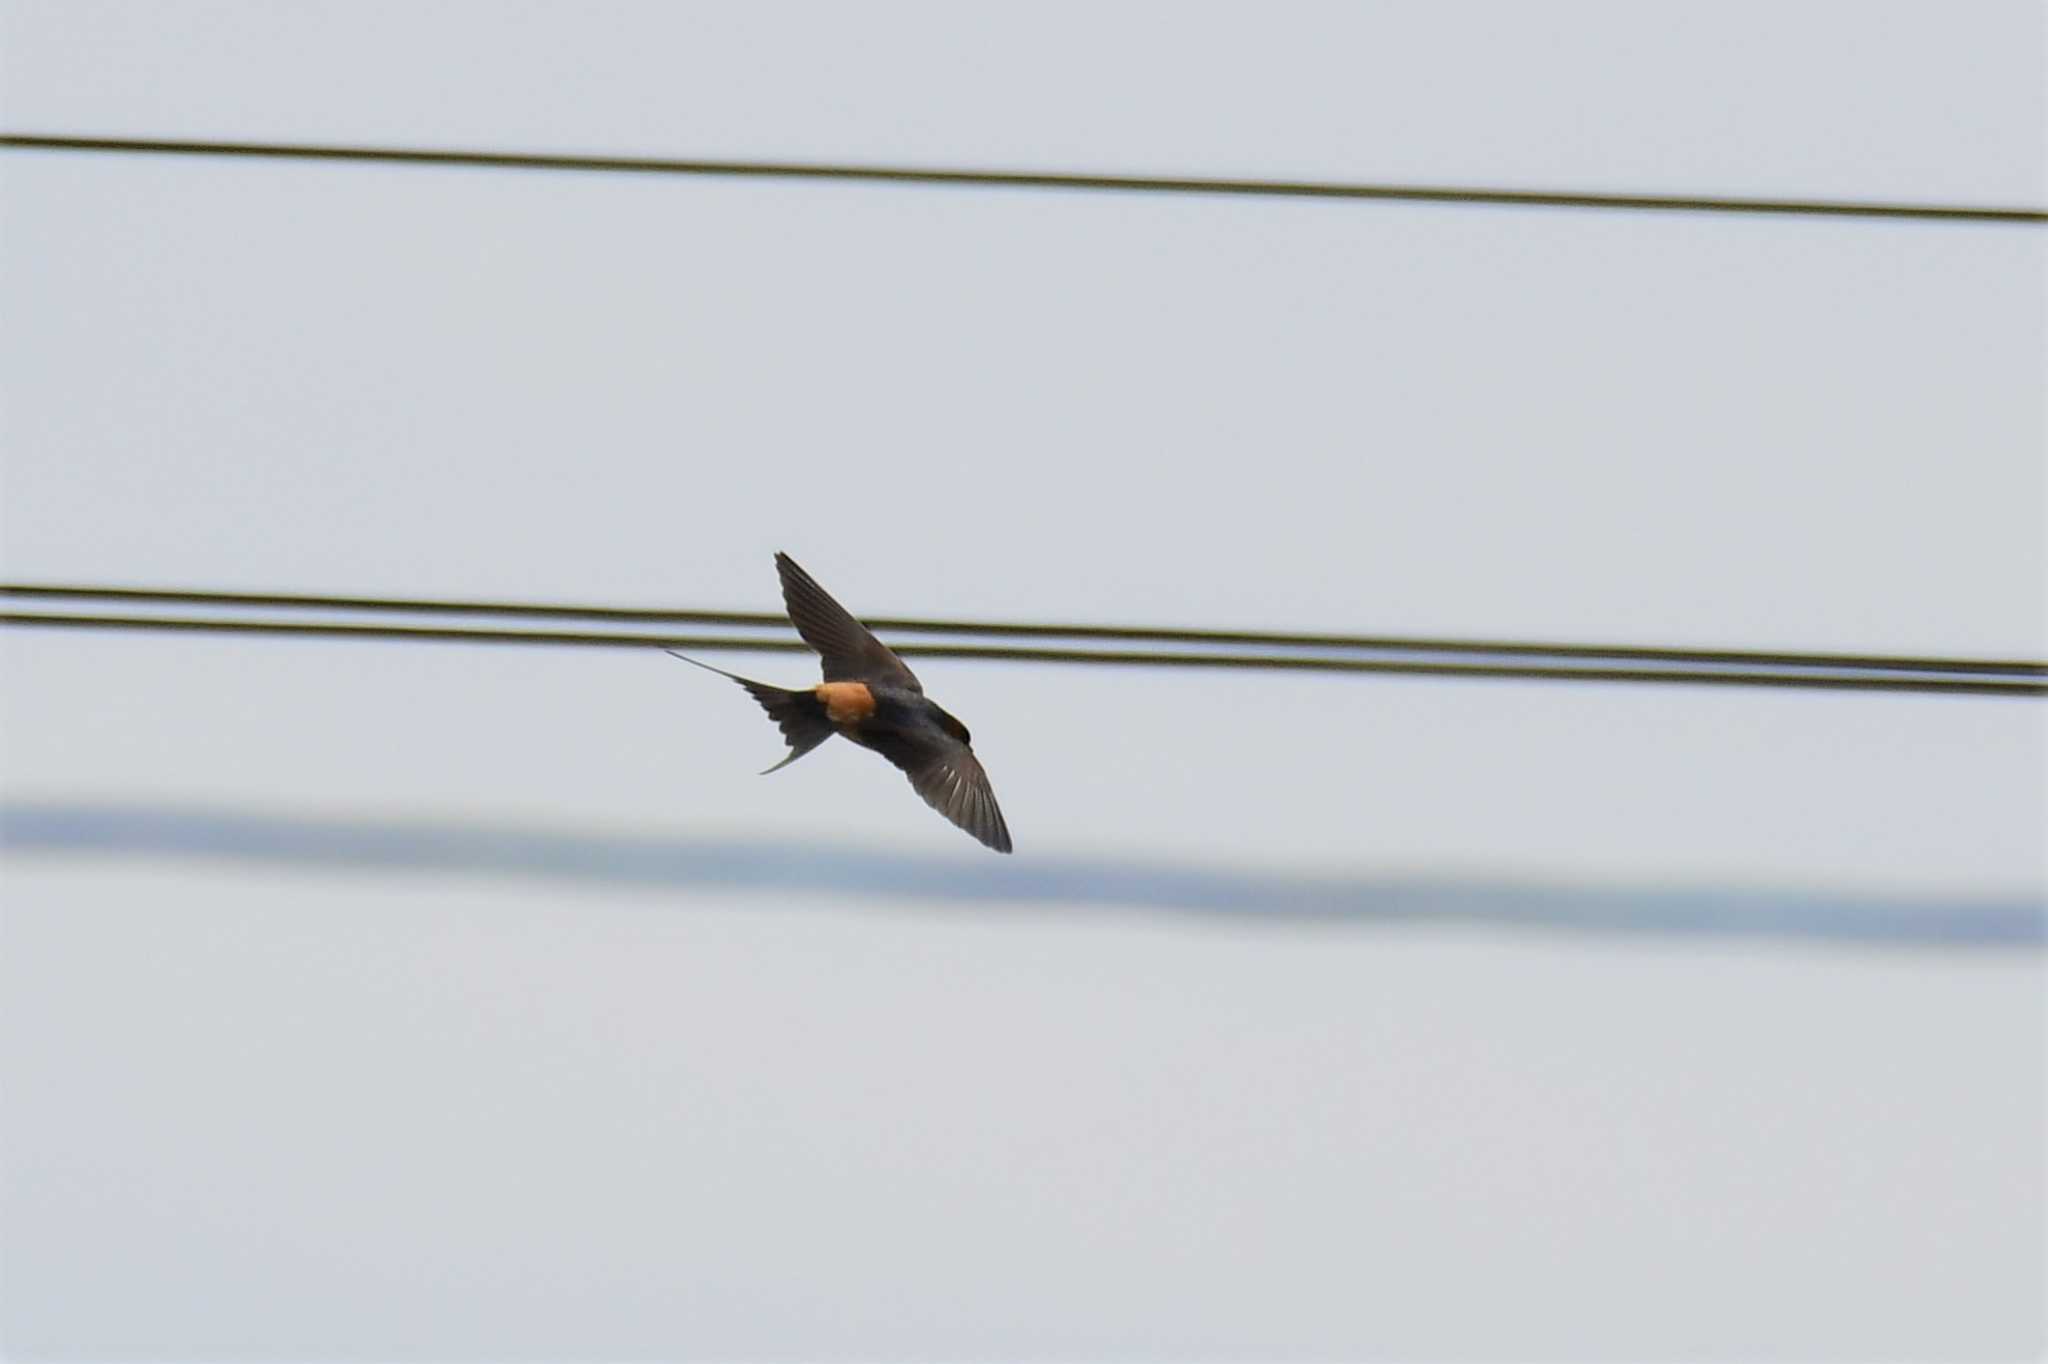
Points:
[(950, 778), (954, 784), (849, 651)]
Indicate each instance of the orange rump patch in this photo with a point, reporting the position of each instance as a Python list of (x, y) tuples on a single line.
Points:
[(846, 703)]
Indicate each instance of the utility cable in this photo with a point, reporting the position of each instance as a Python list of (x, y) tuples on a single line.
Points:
[(1028, 180), (1148, 634), (1084, 645)]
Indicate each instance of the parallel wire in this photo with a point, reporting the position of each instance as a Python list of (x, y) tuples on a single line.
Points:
[(1029, 180), (2029, 684), (1016, 629)]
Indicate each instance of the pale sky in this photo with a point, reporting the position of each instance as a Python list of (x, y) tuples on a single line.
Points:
[(272, 1108)]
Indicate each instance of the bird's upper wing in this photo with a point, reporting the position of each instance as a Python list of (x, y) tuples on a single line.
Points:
[(849, 651), (950, 778)]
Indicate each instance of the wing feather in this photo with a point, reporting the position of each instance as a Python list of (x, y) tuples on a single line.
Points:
[(850, 652), (952, 781)]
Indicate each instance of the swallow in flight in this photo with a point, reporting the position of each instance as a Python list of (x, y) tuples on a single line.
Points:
[(872, 698)]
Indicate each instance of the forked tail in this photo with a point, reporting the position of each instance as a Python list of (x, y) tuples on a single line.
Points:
[(799, 714)]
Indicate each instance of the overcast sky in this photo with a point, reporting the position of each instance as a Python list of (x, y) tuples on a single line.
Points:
[(261, 1109)]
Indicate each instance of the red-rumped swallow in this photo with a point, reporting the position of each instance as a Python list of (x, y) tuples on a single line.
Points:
[(872, 698)]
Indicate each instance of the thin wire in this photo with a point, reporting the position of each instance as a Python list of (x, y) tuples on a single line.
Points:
[(1030, 180), (1014, 629), (1976, 686)]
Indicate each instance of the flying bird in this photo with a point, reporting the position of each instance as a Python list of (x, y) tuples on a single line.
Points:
[(871, 697)]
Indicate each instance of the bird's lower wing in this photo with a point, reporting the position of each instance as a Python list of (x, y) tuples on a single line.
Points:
[(954, 784), (951, 780)]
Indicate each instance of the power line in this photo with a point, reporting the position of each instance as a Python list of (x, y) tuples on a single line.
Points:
[(2025, 683), (682, 861), (1146, 634), (1029, 180)]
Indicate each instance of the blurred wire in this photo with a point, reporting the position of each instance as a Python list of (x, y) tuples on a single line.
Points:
[(1038, 180), (308, 843), (1074, 644)]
